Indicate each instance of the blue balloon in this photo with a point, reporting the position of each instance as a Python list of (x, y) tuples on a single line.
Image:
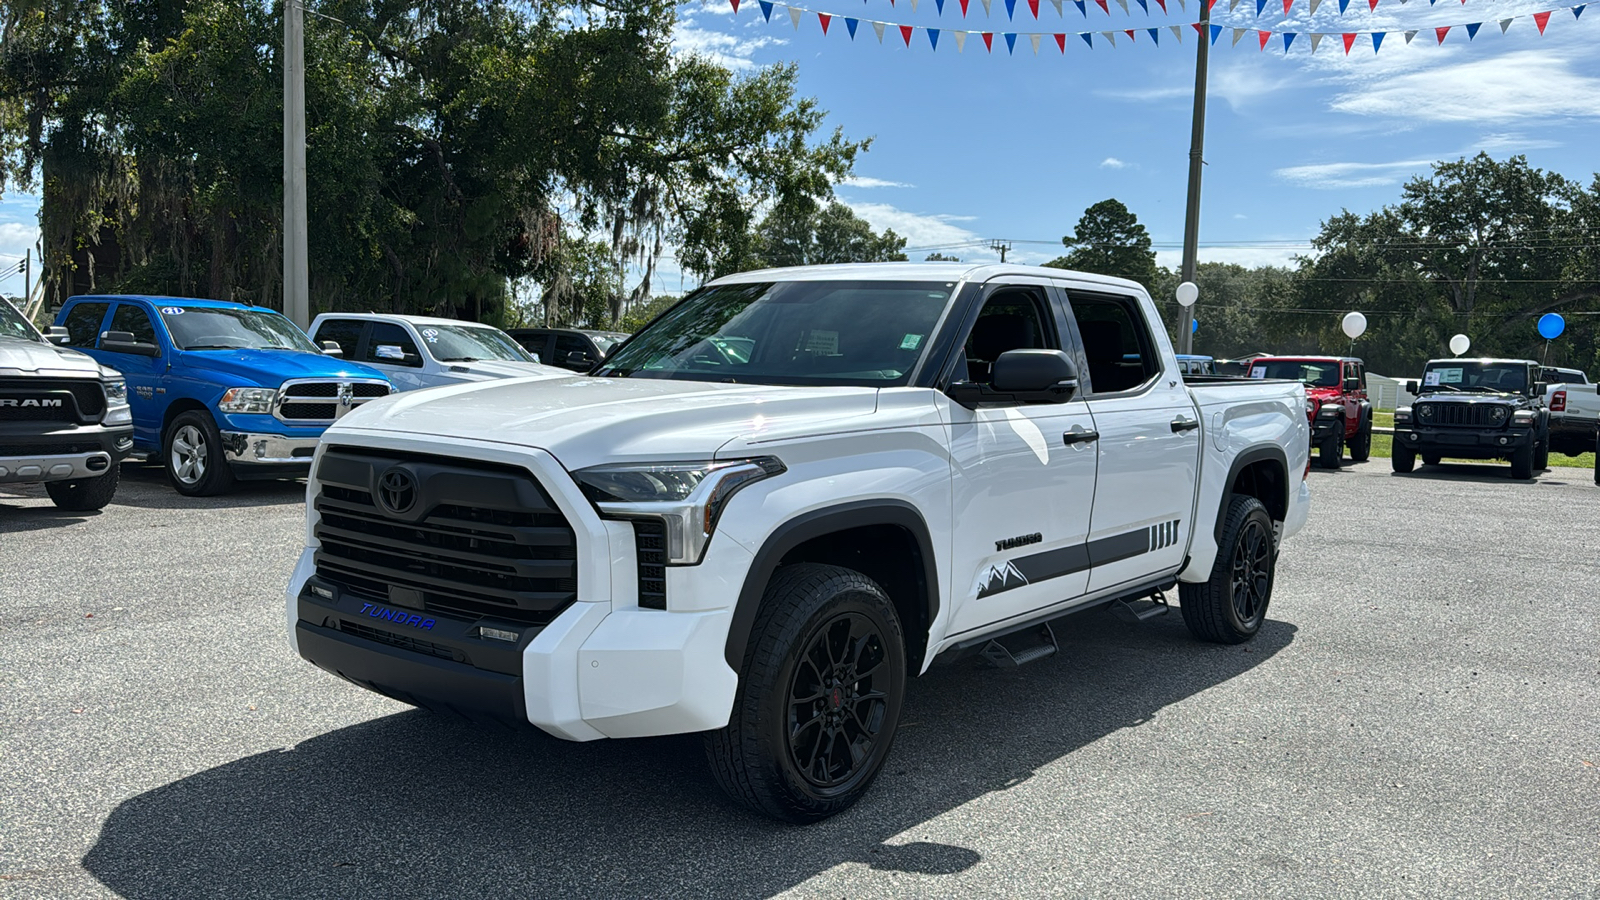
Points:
[(1194, 325), (1551, 325)]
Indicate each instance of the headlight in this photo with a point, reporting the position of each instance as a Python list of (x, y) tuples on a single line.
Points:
[(247, 400), (1402, 414), (1331, 409), (1497, 414), (686, 496), (1311, 407), (1522, 418), (117, 411), (1425, 411)]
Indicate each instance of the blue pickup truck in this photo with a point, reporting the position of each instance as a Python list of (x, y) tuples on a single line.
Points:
[(219, 391)]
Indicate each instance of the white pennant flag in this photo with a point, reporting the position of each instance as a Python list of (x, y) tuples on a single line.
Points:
[(1315, 40), (1177, 32), (794, 16), (1123, 4), (986, 7), (878, 27), (1232, 5), (1057, 4), (961, 41), (1410, 35), (1035, 38), (1237, 34), (1183, 6), (1504, 24), (1110, 36), (913, 5), (1314, 5)]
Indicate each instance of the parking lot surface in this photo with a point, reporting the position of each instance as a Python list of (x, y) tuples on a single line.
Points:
[(1419, 717)]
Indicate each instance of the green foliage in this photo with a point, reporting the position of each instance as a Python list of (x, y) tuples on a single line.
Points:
[(1109, 241), (940, 257), (803, 235)]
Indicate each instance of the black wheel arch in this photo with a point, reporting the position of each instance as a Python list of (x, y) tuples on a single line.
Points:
[(829, 535), (1262, 473)]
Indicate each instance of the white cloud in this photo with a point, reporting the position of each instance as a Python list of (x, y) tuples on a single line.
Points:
[(1111, 162), (862, 181), (919, 229), (1352, 174), (723, 49), (1237, 84), (1523, 85), (1516, 142)]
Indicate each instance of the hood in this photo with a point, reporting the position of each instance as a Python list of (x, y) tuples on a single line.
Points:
[(488, 369), (1323, 393), (585, 421), (1469, 397), (34, 358), (270, 368)]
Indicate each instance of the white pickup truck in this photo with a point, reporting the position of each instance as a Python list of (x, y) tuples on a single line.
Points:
[(783, 498), (417, 352), (1574, 404)]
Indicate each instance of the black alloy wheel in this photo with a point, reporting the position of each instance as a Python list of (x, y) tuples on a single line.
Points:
[(838, 701), (1230, 606), (1252, 571)]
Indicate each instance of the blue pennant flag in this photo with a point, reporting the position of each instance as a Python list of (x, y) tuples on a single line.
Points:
[(850, 26), (1155, 35), (1472, 30), (1011, 8), (1216, 32), (1377, 40), (1082, 7), (1288, 38), (1578, 10), (940, 5), (1144, 5), (933, 37), (1087, 38), (1260, 5), (1011, 43), (766, 9), (1345, 4)]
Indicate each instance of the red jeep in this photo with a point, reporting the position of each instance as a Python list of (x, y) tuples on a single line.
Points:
[(1336, 402)]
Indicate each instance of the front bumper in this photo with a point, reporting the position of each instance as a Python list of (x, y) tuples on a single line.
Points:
[(67, 454), (1323, 427), (251, 449), (1463, 442)]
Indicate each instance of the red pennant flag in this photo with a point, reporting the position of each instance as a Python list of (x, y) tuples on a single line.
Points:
[(823, 18), (1287, 6), (1198, 27), (735, 5), (1061, 41), (1541, 20), (1441, 32), (1033, 7), (1372, 4), (963, 9), (1163, 5), (988, 41), (905, 32), (1349, 39), (1213, 4), (1265, 36), (1104, 7), (1129, 33)]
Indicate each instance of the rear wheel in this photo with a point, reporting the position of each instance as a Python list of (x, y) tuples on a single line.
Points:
[(1331, 454), (1403, 459), (84, 495), (1361, 444), (819, 698), (1231, 605), (196, 465)]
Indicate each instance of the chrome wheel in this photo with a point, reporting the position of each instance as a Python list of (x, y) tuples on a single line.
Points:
[(1252, 572), (838, 701), (189, 455)]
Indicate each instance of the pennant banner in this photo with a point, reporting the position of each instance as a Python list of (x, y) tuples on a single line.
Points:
[(1144, 5)]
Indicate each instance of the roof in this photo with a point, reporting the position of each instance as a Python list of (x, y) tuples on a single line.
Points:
[(1482, 359), (923, 271), (162, 300), (396, 317), (1305, 358)]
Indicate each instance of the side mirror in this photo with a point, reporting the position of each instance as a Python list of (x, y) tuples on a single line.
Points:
[(1411, 386), (1540, 387), (123, 342), (390, 351), (56, 334), (332, 348), (580, 358), (1351, 385), (1019, 377)]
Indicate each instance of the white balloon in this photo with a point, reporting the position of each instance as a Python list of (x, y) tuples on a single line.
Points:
[(1354, 325), (1188, 293), (1459, 344)]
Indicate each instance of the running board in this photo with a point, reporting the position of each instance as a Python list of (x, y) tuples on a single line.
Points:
[(1135, 611), (1021, 648)]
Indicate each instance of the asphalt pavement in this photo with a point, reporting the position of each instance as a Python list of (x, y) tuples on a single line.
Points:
[(1419, 717)]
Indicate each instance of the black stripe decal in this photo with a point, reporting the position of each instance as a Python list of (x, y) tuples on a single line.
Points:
[(1061, 561)]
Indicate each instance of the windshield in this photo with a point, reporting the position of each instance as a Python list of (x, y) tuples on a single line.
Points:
[(1558, 376), (13, 325), (605, 340), (469, 343), (208, 328), (1316, 374), (865, 333), (1459, 375)]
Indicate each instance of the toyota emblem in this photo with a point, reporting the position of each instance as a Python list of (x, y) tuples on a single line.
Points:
[(397, 491)]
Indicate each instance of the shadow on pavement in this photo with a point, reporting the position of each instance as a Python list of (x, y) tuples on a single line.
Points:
[(410, 805), (145, 485), (1468, 471)]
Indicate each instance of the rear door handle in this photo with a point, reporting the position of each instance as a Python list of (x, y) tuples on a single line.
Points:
[(1180, 425), (1080, 437)]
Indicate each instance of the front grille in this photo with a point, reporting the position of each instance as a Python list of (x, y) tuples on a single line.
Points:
[(650, 546), (478, 540), (324, 401), (1456, 415), (66, 412), (415, 645), (54, 449), (82, 401)]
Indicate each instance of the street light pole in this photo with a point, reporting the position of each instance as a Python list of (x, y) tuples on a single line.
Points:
[(296, 275), (1197, 142)]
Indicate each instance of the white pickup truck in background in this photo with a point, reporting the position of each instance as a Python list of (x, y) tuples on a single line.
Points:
[(786, 496), (1574, 405), (417, 352)]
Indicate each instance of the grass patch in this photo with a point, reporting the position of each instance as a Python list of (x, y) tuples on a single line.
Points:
[(1383, 419)]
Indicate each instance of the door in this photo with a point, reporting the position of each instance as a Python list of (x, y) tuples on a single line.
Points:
[(1021, 493), (146, 375), (569, 344), (344, 332), (1149, 447), (391, 350)]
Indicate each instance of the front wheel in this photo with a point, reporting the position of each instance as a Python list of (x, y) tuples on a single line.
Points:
[(86, 495), (1522, 463), (1403, 459), (1361, 444), (196, 465), (819, 698), (1541, 455), (1231, 605), (1331, 454)]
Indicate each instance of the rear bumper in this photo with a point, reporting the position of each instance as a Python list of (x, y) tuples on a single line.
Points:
[(1463, 442), (69, 454)]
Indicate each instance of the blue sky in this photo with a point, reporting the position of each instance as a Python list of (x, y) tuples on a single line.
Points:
[(974, 145)]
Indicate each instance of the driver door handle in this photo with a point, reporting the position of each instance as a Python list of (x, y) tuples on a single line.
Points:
[(1080, 437), (1180, 425)]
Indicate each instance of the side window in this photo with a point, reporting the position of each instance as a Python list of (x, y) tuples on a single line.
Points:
[(135, 321), (83, 323), (1009, 320), (1116, 343), (571, 343), (391, 345), (344, 332)]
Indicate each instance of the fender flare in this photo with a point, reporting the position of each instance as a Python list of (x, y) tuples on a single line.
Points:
[(1248, 458), (815, 524)]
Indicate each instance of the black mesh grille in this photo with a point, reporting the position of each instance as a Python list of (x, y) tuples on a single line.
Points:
[(54, 449), (479, 541), (318, 401), (82, 400), (650, 543), (1473, 415), (308, 410), (371, 390), (63, 413), (415, 645), (313, 389)]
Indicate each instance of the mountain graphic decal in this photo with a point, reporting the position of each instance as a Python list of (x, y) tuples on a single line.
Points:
[(1001, 577)]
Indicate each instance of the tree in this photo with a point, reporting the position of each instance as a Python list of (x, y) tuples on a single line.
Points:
[(1109, 240), (801, 234), (940, 257)]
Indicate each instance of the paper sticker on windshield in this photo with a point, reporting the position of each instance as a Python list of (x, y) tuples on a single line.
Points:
[(431, 335), (1258, 372), (172, 310), (824, 342), (911, 342), (1443, 376)]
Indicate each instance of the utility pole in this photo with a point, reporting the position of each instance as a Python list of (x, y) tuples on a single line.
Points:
[(1197, 143), (27, 278), (1001, 247), (296, 274)]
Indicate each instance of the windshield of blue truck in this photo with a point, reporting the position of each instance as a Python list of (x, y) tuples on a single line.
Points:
[(1460, 375), (12, 325), (219, 328), (857, 333)]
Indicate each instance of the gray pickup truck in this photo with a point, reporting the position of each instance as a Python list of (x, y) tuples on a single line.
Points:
[(64, 418)]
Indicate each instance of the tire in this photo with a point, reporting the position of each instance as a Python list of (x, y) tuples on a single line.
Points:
[(192, 450), (1403, 459), (1231, 605), (1522, 463), (1431, 459), (86, 495), (1361, 447), (1541, 455), (1331, 454), (758, 758)]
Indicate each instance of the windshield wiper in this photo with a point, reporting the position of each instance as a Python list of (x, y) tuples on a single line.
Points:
[(460, 359)]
